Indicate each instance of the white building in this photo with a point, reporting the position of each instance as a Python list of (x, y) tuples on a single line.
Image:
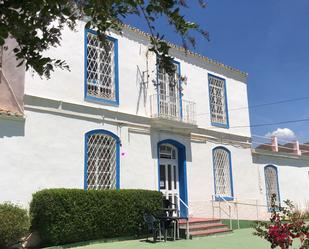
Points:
[(115, 121)]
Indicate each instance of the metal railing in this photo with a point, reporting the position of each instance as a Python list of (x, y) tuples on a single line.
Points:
[(220, 200), (172, 108), (221, 209), (187, 220)]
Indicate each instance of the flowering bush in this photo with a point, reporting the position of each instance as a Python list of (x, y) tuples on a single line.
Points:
[(284, 227)]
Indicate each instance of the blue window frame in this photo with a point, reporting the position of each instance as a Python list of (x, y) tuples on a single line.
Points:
[(271, 184), (223, 179), (218, 101), (101, 69), (102, 160)]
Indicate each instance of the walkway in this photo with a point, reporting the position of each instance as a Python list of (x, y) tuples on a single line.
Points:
[(239, 239)]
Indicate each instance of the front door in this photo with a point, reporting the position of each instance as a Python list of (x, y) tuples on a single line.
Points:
[(169, 180)]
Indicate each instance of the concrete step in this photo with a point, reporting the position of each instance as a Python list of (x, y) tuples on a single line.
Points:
[(199, 222), (204, 227), (210, 232)]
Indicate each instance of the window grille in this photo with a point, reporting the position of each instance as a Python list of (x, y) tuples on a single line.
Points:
[(167, 151), (272, 185), (101, 162), (217, 98), (169, 93), (100, 68), (222, 172)]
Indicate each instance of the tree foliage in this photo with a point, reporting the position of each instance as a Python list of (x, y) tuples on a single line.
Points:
[(38, 25)]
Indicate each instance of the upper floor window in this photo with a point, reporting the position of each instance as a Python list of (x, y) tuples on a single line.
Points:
[(222, 173), (102, 160), (272, 184), (217, 100), (101, 66), (169, 95)]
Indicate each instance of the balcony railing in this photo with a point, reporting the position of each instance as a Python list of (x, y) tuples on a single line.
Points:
[(168, 107)]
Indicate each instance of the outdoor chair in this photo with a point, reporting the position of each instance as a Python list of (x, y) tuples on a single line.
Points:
[(170, 208), (153, 226)]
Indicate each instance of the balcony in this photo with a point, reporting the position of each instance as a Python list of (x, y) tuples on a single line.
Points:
[(173, 109)]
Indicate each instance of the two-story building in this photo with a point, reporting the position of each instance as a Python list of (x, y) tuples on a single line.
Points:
[(116, 120)]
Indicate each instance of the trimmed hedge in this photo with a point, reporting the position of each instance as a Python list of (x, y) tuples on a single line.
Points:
[(14, 224), (71, 215)]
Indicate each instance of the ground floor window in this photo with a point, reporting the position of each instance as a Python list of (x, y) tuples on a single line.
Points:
[(102, 160), (222, 173), (271, 183)]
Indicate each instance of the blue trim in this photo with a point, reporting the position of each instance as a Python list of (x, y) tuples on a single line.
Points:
[(105, 132), (92, 98), (179, 88), (277, 179), (182, 172), (227, 125), (227, 198)]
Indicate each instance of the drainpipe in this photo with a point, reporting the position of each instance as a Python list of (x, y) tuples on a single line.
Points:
[(274, 144), (296, 149)]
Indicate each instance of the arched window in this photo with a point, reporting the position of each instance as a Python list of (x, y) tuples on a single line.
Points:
[(222, 173), (271, 183), (101, 160)]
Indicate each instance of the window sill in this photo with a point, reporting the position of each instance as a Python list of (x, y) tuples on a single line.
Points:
[(224, 198), (226, 126), (102, 101)]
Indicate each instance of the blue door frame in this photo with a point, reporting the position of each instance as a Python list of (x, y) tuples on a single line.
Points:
[(182, 173)]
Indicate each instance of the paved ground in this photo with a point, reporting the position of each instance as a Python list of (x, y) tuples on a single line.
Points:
[(239, 239)]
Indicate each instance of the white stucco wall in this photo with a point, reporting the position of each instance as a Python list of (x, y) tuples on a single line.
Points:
[(47, 151), (132, 48)]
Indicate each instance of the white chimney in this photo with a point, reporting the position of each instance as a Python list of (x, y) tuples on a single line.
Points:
[(296, 149), (274, 144)]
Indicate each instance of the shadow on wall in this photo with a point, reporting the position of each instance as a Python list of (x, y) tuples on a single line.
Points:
[(280, 161), (12, 128)]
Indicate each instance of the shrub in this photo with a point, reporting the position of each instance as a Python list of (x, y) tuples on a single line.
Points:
[(14, 224), (70, 215), (285, 227)]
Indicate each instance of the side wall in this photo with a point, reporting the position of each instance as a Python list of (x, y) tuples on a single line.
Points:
[(293, 178), (12, 80)]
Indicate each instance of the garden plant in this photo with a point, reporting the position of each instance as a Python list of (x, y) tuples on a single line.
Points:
[(286, 226), (14, 224)]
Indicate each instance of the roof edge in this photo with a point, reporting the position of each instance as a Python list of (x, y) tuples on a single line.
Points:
[(189, 52)]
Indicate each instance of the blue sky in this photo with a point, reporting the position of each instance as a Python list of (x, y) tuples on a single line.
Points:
[(268, 39)]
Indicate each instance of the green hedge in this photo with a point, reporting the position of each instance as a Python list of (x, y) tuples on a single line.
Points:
[(71, 215), (14, 224)]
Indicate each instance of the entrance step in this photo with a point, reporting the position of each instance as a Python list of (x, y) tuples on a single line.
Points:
[(204, 227)]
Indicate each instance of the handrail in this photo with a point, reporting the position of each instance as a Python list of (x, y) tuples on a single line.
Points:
[(229, 214), (184, 203), (187, 220)]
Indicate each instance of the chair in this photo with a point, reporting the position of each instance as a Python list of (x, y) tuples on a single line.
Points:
[(153, 225), (172, 212), (170, 207)]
